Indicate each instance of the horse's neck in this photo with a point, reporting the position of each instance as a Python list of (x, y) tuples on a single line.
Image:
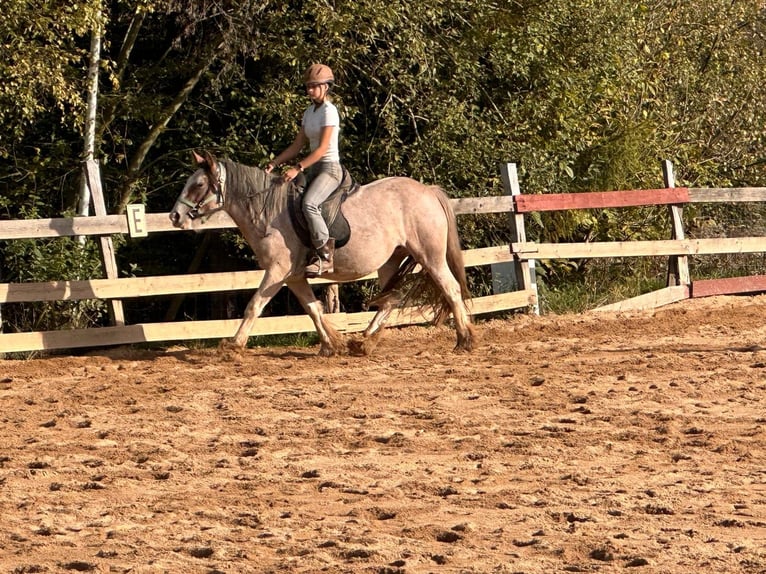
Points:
[(254, 198)]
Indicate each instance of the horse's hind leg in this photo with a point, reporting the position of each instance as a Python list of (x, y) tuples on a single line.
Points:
[(386, 303), (451, 289), (374, 330), (444, 279), (330, 341)]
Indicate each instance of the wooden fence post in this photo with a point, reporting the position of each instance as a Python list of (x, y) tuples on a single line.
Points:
[(106, 245), (331, 298), (678, 265), (521, 272)]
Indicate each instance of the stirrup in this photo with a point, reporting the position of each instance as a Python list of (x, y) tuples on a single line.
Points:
[(323, 260), (317, 267)]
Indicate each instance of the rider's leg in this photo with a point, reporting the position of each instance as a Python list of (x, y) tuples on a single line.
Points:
[(324, 182)]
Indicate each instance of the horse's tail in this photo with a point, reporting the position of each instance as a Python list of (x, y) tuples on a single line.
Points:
[(455, 260), (454, 251)]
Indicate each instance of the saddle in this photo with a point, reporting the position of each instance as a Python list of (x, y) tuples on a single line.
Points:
[(336, 222)]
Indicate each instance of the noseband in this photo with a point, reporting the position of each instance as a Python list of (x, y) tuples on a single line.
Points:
[(216, 194)]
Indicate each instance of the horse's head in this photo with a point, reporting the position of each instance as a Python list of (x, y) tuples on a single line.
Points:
[(202, 195)]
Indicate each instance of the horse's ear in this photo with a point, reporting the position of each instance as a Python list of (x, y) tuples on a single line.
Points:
[(198, 159), (212, 165), (210, 160)]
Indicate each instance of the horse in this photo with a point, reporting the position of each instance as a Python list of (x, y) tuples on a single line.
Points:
[(396, 223)]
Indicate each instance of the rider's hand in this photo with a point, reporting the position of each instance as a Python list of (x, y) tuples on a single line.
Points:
[(291, 174), (270, 167)]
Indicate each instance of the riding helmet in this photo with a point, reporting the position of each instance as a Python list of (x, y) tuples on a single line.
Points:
[(318, 73)]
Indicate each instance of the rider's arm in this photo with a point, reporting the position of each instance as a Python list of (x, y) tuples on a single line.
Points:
[(292, 150), (314, 156)]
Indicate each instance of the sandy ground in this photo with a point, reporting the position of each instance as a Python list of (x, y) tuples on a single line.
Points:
[(583, 443)]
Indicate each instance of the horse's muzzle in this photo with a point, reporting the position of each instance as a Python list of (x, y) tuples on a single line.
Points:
[(178, 220)]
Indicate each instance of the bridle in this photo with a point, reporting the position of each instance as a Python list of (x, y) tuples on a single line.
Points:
[(214, 194)]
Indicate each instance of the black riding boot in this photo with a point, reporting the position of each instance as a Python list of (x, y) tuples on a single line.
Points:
[(322, 262)]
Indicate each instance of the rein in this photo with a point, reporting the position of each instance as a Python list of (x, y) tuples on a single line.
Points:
[(258, 193)]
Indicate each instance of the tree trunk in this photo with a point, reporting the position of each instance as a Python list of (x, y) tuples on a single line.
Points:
[(83, 207), (120, 66), (134, 168)]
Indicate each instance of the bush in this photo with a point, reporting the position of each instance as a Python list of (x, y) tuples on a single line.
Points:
[(60, 259)]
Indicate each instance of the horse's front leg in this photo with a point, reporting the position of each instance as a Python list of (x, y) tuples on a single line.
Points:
[(268, 288), (331, 342)]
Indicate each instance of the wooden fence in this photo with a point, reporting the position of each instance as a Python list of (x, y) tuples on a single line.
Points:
[(678, 249), (512, 265)]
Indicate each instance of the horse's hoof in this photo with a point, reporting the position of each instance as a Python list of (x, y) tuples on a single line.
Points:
[(331, 348), (361, 347), (230, 346), (466, 341), (356, 348), (465, 345)]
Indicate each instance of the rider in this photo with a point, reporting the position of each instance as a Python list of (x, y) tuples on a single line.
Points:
[(320, 127)]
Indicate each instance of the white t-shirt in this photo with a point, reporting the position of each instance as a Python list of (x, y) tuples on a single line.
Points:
[(313, 122)]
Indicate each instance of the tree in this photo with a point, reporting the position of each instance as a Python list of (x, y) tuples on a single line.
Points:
[(582, 95), (39, 62)]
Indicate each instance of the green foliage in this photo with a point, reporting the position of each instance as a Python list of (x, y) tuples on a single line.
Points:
[(607, 281), (287, 340), (583, 96), (40, 63), (51, 260)]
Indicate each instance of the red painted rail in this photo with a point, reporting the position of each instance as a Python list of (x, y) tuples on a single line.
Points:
[(601, 199), (727, 286)]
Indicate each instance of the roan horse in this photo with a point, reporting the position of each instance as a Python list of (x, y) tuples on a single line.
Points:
[(395, 224)]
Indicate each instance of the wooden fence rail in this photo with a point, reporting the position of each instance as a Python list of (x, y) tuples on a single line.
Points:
[(513, 265), (132, 287), (159, 222)]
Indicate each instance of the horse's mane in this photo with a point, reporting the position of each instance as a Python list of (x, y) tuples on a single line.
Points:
[(263, 195)]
